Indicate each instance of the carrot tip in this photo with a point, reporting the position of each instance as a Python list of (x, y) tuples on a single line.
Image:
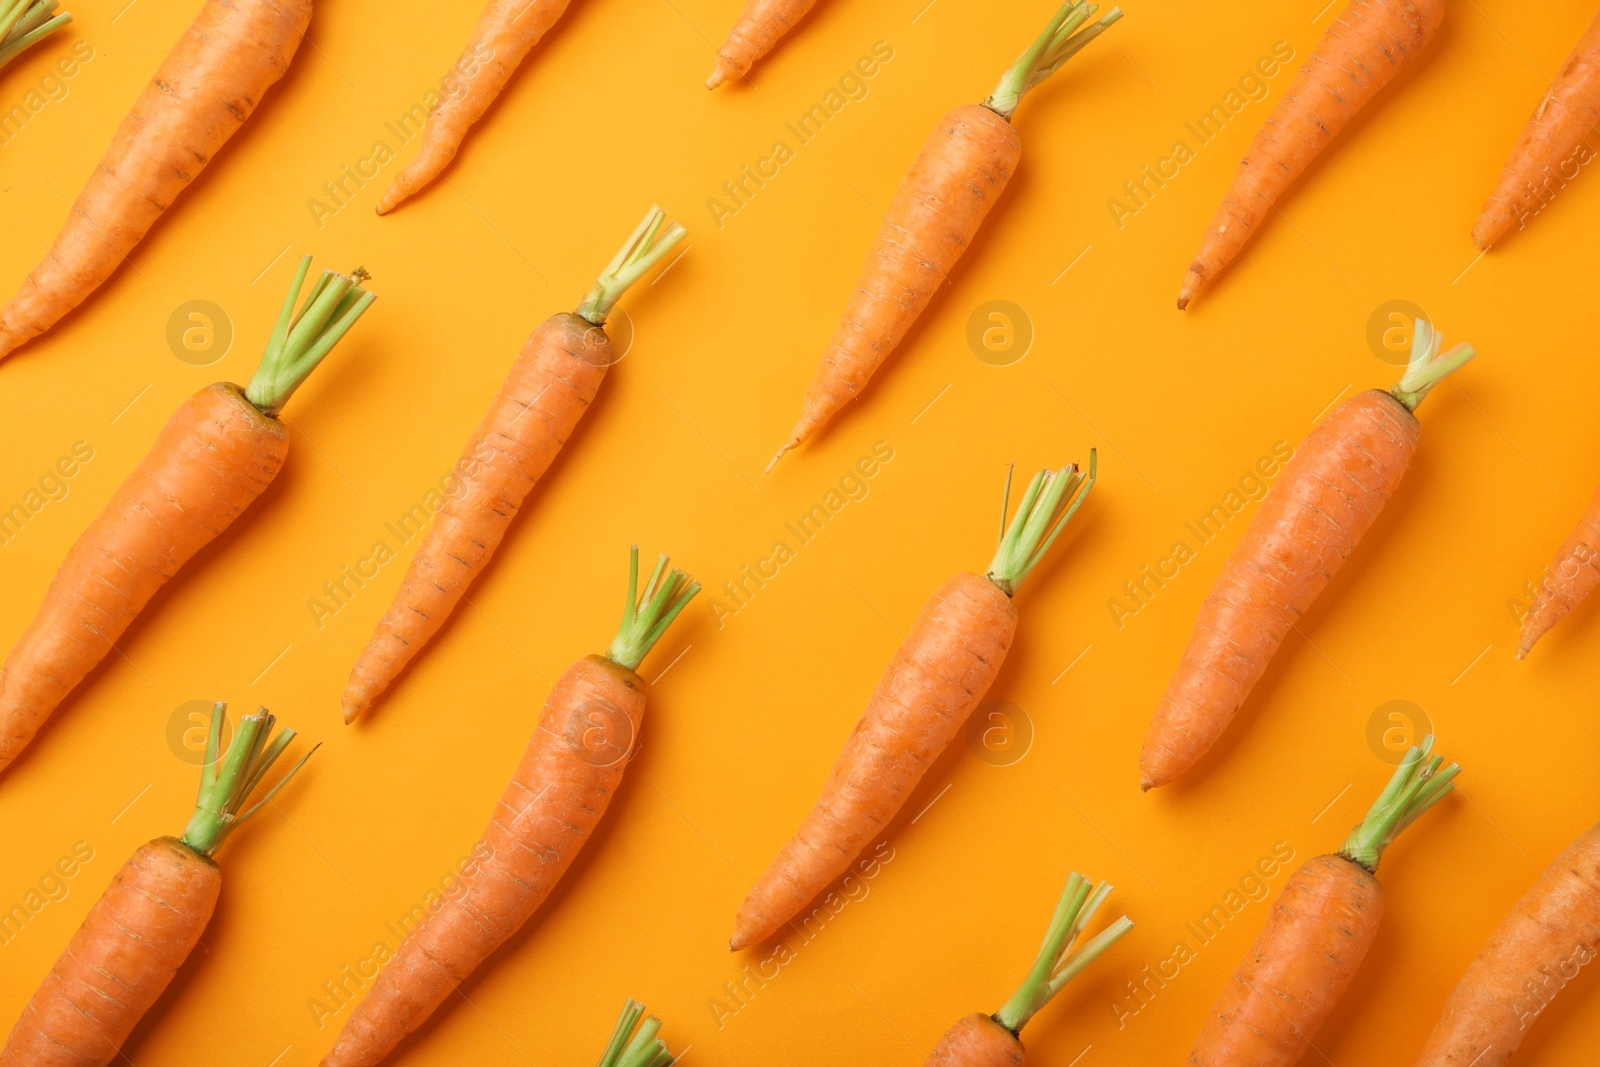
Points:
[(1183, 303), (773, 462), (716, 79)]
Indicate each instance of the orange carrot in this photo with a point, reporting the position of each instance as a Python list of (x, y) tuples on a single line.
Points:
[(139, 933), (558, 794), (937, 676), (549, 388), (216, 455), (1367, 46), (961, 171), (1535, 951), (641, 1048), (756, 33), (205, 89), (1553, 146), (1571, 576), (992, 1040), (1326, 499), (24, 23), (1317, 934)]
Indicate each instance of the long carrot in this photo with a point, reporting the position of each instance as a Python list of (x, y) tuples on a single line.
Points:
[(634, 1043), (572, 767), (993, 1040), (1553, 146), (1541, 944), (548, 389), (24, 23), (937, 676), (205, 89), (139, 933), (961, 171), (1570, 577), (219, 451), (1368, 45), (1312, 519), (755, 33), (1317, 933)]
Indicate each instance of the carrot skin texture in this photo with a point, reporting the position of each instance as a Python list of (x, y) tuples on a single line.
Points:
[(557, 796), (206, 88), (977, 1041), (1571, 576), (1555, 924), (214, 457), (1322, 504), (1318, 932), (549, 388), (120, 960), (937, 676), (755, 33)]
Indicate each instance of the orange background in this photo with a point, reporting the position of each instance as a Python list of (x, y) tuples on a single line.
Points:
[(609, 116)]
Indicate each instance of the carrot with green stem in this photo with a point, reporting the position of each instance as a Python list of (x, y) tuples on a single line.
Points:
[(1313, 517), (961, 171), (937, 676), (755, 33), (634, 1043), (573, 765), (139, 933), (24, 23), (216, 455)]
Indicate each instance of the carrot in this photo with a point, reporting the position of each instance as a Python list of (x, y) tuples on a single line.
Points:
[(1317, 933), (139, 933), (992, 1040), (937, 676), (1312, 519), (1535, 951), (205, 89), (1553, 145), (558, 794), (506, 32), (1364, 50), (961, 171), (641, 1048), (24, 23), (1571, 576), (550, 386), (219, 451), (754, 34)]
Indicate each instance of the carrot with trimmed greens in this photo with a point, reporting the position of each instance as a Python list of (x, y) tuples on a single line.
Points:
[(1368, 45), (1317, 933), (550, 386), (139, 933), (1313, 517), (1570, 577), (755, 33), (961, 171), (205, 89), (634, 1043), (573, 765), (215, 456), (24, 23), (937, 676)]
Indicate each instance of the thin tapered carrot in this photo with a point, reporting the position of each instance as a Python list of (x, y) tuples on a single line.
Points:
[(1368, 45), (216, 455), (1570, 577), (1317, 933), (755, 33), (24, 23), (206, 88), (139, 933), (937, 676), (1313, 517), (571, 769), (634, 1043), (961, 171), (548, 389)]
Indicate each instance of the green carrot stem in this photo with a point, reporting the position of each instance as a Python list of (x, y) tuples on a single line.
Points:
[(648, 614), (644, 1049), (1416, 785), (1060, 958), (644, 250), (228, 781), (1060, 41), (300, 341), (24, 23), (1046, 507), (1427, 367)]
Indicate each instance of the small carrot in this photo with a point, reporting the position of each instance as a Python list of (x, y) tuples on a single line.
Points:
[(937, 676), (961, 171), (1312, 519), (631, 1047), (1368, 45), (993, 1040), (216, 455), (755, 33), (1541, 944), (572, 767), (24, 23), (550, 386), (139, 933), (205, 89), (1317, 933), (1571, 576)]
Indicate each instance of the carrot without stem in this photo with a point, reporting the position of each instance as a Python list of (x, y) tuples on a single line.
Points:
[(634, 1043), (1570, 577), (1313, 517), (937, 676), (24, 23), (755, 33), (961, 171), (215, 456)]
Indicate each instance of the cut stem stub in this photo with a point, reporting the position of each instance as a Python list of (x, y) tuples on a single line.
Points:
[(300, 341), (648, 614), (1048, 504), (1060, 957), (1417, 785), (1060, 41), (227, 781), (644, 250), (641, 1049)]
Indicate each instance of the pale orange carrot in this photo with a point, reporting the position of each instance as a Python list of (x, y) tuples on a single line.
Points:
[(754, 34), (1570, 577)]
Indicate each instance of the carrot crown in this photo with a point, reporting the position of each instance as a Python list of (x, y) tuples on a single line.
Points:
[(643, 251), (300, 341), (24, 23), (226, 783), (1046, 507), (1417, 785), (1060, 41), (1060, 957), (1427, 367), (648, 614), (645, 1049)]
